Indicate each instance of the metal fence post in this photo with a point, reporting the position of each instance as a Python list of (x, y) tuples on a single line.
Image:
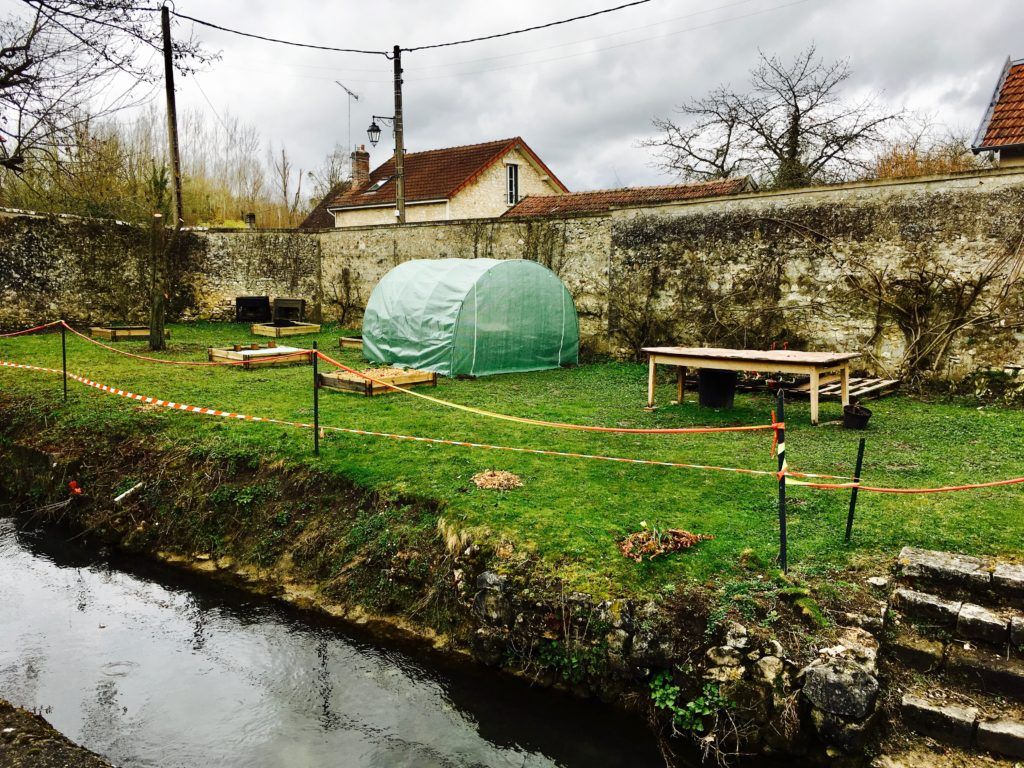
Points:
[(316, 404), (853, 491), (780, 418), (64, 356)]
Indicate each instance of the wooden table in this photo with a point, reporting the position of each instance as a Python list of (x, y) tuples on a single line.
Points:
[(816, 364)]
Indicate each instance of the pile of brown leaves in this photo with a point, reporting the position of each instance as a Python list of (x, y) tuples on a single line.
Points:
[(651, 543), (497, 480)]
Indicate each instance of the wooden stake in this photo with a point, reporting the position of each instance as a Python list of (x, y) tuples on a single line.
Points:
[(64, 357), (853, 491), (780, 417), (316, 404)]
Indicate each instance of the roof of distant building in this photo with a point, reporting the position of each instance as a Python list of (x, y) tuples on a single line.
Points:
[(599, 201), (320, 217), (437, 174), (1003, 124)]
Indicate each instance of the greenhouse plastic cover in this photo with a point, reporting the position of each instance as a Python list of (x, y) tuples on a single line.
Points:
[(471, 316)]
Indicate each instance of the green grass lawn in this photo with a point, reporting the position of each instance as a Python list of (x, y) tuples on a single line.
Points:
[(571, 512)]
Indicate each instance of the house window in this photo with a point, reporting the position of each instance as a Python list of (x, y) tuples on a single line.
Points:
[(513, 183), (377, 185)]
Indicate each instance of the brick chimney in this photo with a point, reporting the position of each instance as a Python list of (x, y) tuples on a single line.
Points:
[(360, 167)]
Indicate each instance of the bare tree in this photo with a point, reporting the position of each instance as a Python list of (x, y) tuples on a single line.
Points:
[(333, 172), (290, 201), (791, 127), (67, 61), (923, 147)]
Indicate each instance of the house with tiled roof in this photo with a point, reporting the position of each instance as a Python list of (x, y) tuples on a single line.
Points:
[(1002, 128), (468, 182), (605, 200)]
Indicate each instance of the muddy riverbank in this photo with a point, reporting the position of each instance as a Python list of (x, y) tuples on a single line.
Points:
[(27, 740)]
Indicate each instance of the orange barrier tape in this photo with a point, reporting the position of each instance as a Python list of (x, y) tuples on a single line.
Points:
[(435, 440), (31, 330), (940, 489), (540, 422), (204, 363)]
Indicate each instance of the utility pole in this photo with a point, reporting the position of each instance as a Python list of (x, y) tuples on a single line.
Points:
[(399, 141), (172, 119)]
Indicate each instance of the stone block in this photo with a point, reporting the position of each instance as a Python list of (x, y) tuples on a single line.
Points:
[(1017, 631), (989, 672), (945, 568), (921, 605), (841, 687), (982, 625), (951, 724), (916, 652), (834, 731), (724, 656), (1003, 737), (1008, 581)]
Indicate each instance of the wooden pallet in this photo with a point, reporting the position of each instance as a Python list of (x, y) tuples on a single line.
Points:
[(351, 342), (829, 387), (260, 355), (860, 388), (350, 382), (122, 332), (295, 328)]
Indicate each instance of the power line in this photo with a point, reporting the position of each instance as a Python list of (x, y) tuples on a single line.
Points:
[(671, 33), (211, 25), (613, 47), (386, 54), (578, 41), (527, 29)]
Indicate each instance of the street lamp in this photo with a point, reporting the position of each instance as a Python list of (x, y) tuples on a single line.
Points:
[(373, 132)]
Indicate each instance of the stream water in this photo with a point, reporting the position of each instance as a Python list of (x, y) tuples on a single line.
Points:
[(149, 667)]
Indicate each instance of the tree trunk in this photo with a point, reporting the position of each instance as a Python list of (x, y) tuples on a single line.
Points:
[(158, 283)]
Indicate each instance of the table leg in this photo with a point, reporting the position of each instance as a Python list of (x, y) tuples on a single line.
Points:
[(680, 383), (814, 397), (650, 381), (844, 378)]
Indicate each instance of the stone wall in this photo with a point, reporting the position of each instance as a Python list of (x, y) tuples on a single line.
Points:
[(577, 250), (882, 268), (90, 271)]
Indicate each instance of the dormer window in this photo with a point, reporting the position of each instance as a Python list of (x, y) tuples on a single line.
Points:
[(377, 185), (512, 173)]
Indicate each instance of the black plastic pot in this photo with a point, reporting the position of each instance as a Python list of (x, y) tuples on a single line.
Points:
[(716, 388), (856, 416)]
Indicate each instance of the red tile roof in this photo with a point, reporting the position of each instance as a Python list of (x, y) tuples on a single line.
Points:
[(437, 174), (606, 199), (1003, 125), (320, 217)]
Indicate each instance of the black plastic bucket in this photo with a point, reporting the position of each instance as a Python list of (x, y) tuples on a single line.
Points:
[(716, 388), (856, 416)]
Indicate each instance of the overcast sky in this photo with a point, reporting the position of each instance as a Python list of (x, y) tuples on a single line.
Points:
[(582, 95)]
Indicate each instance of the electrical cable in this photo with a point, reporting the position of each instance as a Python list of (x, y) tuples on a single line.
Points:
[(526, 29)]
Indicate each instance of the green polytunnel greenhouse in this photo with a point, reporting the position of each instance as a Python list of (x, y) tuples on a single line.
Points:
[(471, 316)]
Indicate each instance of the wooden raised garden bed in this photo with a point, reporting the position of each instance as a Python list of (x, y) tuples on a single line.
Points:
[(351, 342), (350, 382), (260, 355), (284, 328), (122, 332)]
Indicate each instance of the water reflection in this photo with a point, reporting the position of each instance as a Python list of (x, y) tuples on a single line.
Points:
[(154, 669)]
